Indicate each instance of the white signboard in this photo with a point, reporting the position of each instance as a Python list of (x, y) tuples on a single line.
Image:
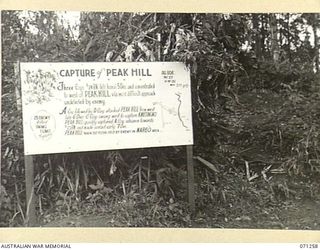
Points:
[(71, 107)]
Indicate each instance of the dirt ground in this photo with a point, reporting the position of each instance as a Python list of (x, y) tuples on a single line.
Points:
[(297, 215)]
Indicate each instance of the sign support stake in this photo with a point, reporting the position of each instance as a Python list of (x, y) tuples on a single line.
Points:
[(30, 215), (191, 191), (30, 199)]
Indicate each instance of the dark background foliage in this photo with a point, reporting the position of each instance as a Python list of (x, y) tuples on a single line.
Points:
[(230, 55)]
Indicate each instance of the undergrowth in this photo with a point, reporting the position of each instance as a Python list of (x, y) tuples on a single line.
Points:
[(267, 155)]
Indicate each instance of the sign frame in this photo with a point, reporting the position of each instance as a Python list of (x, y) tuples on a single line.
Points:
[(151, 101)]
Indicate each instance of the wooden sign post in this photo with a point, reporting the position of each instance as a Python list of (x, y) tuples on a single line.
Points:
[(30, 214), (30, 197), (190, 170)]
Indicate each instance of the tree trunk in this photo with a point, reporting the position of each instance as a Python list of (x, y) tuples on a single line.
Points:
[(257, 39), (264, 29), (288, 37), (274, 38), (315, 25)]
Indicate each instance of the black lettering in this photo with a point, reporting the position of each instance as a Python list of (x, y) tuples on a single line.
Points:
[(60, 87), (63, 111)]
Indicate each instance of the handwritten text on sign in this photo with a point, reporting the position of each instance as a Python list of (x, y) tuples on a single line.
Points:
[(70, 107)]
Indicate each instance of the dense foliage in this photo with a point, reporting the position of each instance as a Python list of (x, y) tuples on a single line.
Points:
[(229, 55)]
